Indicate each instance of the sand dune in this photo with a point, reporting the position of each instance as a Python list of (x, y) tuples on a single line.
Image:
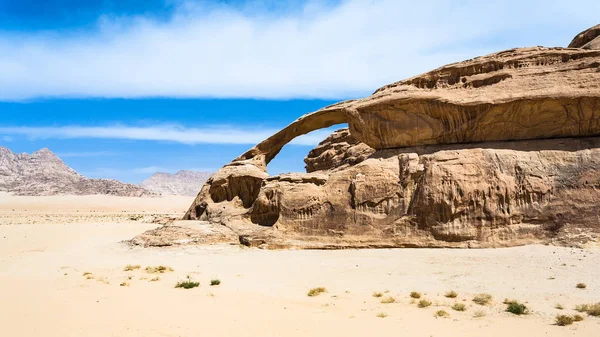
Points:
[(263, 293)]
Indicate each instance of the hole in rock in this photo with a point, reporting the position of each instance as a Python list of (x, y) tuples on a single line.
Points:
[(291, 157)]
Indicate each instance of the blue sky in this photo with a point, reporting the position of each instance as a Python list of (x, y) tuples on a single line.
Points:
[(121, 89)]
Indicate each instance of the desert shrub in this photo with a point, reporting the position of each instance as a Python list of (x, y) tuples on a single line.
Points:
[(316, 291), (482, 299), (459, 307), (124, 284), (577, 318), (155, 279), (442, 313), (415, 295), (424, 303), (451, 294), (559, 306), (594, 309), (388, 300), (215, 282), (187, 284), (479, 314), (563, 320), (590, 309), (382, 315), (377, 295), (517, 308), (158, 269), (131, 267), (581, 286)]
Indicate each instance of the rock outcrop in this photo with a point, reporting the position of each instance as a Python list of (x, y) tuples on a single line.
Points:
[(186, 183), (499, 150), (43, 173), (588, 39)]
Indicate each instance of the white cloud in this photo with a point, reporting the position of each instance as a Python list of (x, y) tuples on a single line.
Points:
[(317, 51), (170, 133)]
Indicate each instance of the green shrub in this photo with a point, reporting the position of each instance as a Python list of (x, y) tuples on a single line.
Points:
[(517, 308), (187, 284), (215, 282)]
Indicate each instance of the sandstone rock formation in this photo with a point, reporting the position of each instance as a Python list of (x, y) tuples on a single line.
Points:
[(43, 173), (498, 150), (588, 39), (181, 183)]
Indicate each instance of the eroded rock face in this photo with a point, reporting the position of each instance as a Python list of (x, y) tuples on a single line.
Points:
[(499, 150), (338, 150), (583, 40)]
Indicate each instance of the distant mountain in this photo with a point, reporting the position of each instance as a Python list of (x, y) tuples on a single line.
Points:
[(181, 183), (43, 173)]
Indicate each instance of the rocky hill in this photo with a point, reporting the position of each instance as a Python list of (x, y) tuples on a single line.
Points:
[(181, 183), (499, 150), (43, 173)]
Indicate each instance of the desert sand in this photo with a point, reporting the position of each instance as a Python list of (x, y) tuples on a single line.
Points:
[(48, 243)]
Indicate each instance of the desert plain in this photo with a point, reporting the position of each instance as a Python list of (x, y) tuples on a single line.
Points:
[(47, 244)]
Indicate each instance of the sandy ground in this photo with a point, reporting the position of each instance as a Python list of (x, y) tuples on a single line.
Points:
[(263, 293)]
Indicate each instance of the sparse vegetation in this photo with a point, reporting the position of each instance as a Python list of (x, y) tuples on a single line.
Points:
[(590, 309), (89, 277), (424, 303), (459, 307), (124, 284), (442, 314), (594, 309), (559, 306), (563, 320), (131, 267), (482, 299), (577, 318), (316, 291), (415, 295), (155, 279), (451, 294), (215, 282), (382, 315), (87, 273), (581, 286), (517, 308), (159, 269), (187, 284), (479, 314), (377, 295), (388, 300)]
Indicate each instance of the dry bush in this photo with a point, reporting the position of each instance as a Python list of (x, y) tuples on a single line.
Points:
[(482, 299), (316, 291)]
